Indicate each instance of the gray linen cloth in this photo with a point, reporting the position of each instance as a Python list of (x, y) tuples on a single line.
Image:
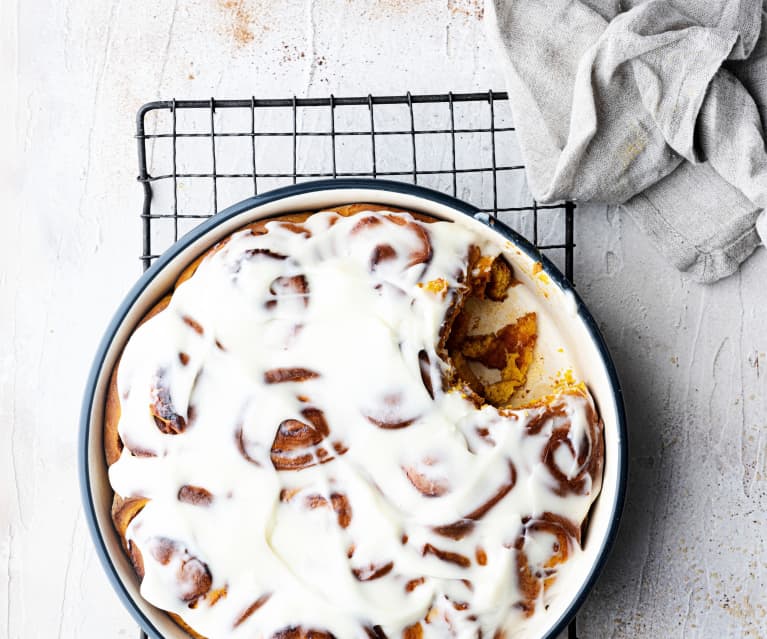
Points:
[(657, 105)]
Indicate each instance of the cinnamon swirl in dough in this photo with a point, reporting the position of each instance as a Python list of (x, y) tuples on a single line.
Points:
[(307, 439)]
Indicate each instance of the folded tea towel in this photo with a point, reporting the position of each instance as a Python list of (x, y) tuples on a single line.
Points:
[(657, 105)]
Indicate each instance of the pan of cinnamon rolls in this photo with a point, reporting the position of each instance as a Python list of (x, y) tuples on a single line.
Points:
[(352, 409)]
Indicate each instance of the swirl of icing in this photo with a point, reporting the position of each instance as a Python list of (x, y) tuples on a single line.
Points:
[(299, 454)]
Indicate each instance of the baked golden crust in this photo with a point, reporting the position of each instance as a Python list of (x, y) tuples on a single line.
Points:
[(259, 228), (113, 446)]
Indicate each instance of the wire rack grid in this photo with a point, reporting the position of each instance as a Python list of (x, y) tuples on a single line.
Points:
[(196, 157)]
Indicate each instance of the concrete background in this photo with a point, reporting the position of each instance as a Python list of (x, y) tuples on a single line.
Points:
[(691, 557)]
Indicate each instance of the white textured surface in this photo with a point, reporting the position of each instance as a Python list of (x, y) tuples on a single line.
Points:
[(691, 558)]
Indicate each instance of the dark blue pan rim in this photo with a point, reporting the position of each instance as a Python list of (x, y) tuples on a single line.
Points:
[(340, 185)]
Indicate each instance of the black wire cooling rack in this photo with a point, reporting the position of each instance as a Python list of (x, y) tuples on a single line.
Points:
[(196, 157)]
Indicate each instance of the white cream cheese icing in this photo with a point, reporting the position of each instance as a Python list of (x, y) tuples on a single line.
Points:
[(321, 478)]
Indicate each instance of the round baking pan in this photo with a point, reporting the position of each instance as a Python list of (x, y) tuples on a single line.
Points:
[(585, 343)]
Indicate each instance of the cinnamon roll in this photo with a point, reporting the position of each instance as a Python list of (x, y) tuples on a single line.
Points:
[(308, 438)]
